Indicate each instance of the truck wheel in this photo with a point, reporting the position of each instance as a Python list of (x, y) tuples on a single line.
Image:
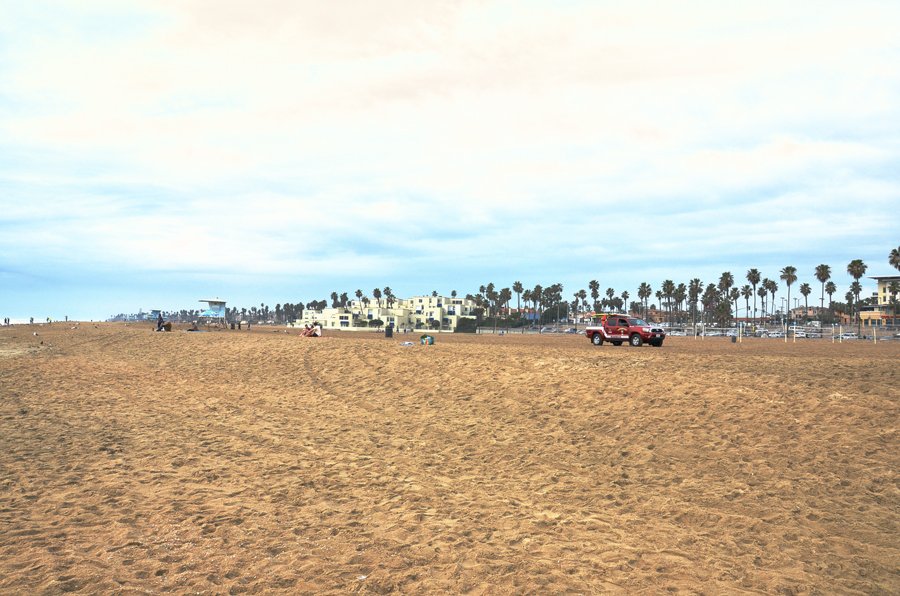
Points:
[(636, 340), (597, 340)]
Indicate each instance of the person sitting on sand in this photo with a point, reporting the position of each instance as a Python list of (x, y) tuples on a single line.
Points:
[(307, 331), (317, 331), (159, 322)]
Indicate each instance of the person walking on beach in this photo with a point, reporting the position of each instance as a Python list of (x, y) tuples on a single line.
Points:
[(159, 322)]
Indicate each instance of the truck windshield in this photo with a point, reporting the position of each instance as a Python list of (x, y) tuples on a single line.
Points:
[(637, 323)]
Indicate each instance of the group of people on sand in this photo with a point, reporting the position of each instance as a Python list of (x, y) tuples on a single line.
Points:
[(314, 330)]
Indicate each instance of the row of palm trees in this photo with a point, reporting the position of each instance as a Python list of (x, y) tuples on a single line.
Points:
[(717, 301)]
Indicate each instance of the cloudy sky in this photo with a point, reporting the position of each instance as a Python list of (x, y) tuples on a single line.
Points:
[(153, 153)]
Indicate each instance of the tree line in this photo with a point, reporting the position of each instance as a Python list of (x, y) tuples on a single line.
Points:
[(713, 302)]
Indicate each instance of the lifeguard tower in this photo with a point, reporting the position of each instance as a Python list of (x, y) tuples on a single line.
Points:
[(214, 313)]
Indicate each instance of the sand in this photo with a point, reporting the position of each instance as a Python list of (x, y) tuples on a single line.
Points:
[(240, 462)]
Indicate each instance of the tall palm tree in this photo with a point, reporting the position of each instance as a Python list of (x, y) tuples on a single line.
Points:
[(734, 295), (753, 276), (747, 292), (680, 296), (806, 290), (644, 293), (856, 288), (537, 294), (376, 294), (789, 276), (668, 292), (856, 268), (582, 294), (831, 290), (625, 300), (594, 287), (894, 258), (823, 274), (772, 286), (695, 289), (359, 296), (763, 291), (518, 289), (893, 290), (725, 283)]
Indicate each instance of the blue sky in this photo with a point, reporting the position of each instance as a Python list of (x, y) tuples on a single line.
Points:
[(156, 153)]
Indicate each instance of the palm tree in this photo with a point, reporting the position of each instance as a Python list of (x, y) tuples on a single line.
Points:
[(518, 289), (537, 294), (831, 290), (725, 283), (359, 296), (582, 294), (644, 293), (376, 294), (695, 289), (625, 296), (789, 276), (823, 274), (772, 286), (856, 268), (893, 290), (806, 290), (746, 292), (334, 300), (753, 277), (594, 287), (526, 298), (734, 295), (762, 292), (668, 292), (680, 296), (894, 258)]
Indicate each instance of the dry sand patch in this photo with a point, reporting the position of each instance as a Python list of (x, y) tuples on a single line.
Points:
[(261, 461)]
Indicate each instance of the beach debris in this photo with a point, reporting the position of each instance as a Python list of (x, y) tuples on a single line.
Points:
[(361, 577), (407, 343)]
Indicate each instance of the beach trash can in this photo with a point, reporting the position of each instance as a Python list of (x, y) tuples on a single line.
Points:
[(427, 340), (389, 331), (734, 339)]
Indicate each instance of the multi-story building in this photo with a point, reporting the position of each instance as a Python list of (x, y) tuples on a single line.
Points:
[(418, 312), (883, 313)]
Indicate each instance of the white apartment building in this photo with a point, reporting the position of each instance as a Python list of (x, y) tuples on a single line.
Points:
[(418, 312)]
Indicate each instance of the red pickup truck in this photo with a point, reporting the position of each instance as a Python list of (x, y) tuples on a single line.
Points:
[(617, 329)]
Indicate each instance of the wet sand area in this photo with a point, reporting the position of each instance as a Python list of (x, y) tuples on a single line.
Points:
[(258, 462)]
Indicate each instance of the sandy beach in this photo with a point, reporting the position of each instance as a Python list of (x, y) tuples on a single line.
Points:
[(251, 462)]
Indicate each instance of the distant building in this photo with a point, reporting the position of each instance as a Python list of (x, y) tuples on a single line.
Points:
[(882, 313), (418, 312)]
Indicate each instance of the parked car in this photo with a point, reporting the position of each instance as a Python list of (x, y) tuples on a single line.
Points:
[(844, 336)]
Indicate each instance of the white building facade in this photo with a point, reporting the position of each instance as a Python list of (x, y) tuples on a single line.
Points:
[(419, 312)]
